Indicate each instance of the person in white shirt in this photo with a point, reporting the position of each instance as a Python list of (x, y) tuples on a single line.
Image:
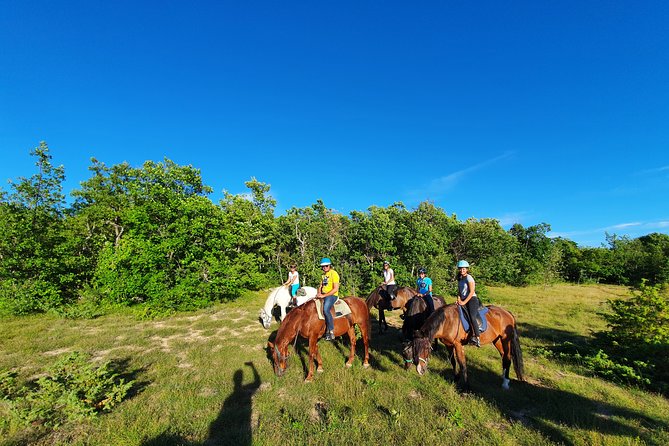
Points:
[(293, 280), (389, 280)]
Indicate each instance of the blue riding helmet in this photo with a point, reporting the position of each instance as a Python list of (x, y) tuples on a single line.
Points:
[(422, 270), (325, 261), (463, 264)]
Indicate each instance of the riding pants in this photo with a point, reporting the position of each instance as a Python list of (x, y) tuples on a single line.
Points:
[(328, 303), (293, 289), (472, 308), (429, 302)]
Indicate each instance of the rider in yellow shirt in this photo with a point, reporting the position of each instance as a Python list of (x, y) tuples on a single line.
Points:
[(329, 291)]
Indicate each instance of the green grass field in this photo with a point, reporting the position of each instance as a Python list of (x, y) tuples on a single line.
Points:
[(204, 378)]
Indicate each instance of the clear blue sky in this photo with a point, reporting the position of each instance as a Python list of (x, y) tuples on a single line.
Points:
[(527, 112)]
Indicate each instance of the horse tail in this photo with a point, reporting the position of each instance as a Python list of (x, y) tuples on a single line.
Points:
[(517, 355)]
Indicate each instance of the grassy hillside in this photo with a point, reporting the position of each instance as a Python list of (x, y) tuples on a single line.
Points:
[(204, 378)]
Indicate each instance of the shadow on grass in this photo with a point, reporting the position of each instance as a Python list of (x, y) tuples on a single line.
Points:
[(232, 426), (556, 338), (549, 410)]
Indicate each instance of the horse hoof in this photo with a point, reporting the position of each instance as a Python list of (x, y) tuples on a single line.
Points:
[(319, 370), (308, 379), (366, 365), (349, 365)]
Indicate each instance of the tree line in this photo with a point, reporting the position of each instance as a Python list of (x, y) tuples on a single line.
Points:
[(151, 235)]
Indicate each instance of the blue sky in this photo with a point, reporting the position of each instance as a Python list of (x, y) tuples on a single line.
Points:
[(527, 112)]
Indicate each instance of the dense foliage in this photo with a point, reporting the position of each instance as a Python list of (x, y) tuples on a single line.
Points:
[(150, 235)]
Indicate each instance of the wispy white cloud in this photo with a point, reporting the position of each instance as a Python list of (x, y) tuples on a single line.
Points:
[(623, 226), (632, 229), (439, 186), (512, 218)]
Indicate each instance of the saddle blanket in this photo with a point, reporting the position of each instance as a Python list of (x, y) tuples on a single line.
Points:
[(302, 297), (301, 300), (481, 320), (341, 308)]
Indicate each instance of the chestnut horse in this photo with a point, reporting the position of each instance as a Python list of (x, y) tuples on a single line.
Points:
[(444, 324), (304, 321), (376, 300)]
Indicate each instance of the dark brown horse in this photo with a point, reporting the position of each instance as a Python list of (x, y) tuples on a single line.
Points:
[(376, 300), (416, 314), (304, 321), (444, 325)]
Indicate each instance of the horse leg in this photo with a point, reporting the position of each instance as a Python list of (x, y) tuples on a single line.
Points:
[(502, 346), (364, 329), (462, 362), (313, 353), (319, 359), (382, 320), (351, 337), (283, 312), (451, 356)]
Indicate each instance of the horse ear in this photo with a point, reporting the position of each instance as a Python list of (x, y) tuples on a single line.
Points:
[(417, 334), (270, 344)]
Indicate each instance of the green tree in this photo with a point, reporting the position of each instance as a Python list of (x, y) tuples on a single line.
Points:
[(33, 275)]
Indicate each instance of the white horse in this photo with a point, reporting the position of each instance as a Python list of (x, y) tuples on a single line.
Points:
[(281, 296)]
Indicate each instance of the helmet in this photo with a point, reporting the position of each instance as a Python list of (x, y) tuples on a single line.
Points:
[(463, 264), (385, 262), (421, 270), (325, 261)]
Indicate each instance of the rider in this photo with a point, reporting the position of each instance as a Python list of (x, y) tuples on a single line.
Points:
[(467, 298), (389, 280), (424, 285), (329, 291), (293, 281)]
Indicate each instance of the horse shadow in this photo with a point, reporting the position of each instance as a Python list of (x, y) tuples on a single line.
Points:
[(545, 409), (233, 423)]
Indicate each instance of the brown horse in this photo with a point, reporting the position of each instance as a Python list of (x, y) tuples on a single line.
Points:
[(304, 321), (444, 324), (415, 314), (376, 300)]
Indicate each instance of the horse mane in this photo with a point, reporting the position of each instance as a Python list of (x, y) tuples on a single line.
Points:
[(289, 321), (373, 298), (434, 322)]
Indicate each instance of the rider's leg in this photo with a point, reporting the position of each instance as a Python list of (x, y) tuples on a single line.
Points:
[(472, 308), (328, 303), (430, 304)]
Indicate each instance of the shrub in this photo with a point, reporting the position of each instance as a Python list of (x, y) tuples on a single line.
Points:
[(73, 389)]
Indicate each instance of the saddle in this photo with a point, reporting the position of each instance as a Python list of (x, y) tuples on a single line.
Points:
[(480, 318), (300, 297), (341, 309)]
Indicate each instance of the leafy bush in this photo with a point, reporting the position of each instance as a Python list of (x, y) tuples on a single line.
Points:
[(73, 389), (604, 366), (639, 333), (30, 296)]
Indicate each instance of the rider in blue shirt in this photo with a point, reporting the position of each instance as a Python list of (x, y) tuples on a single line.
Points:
[(424, 286)]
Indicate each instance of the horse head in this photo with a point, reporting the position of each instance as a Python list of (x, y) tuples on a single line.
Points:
[(265, 318), (422, 346), (279, 358), (407, 354)]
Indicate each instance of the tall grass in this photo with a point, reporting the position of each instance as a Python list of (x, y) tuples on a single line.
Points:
[(204, 378)]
